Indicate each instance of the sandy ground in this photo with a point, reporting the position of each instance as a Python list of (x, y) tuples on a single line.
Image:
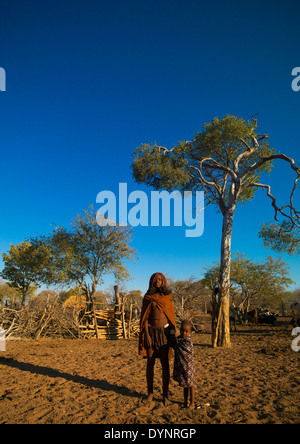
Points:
[(81, 381)]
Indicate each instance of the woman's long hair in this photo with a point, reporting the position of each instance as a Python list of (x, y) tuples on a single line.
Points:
[(154, 277)]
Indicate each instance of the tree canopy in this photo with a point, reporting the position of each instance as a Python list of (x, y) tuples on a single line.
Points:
[(80, 255), (24, 266), (85, 253), (222, 151)]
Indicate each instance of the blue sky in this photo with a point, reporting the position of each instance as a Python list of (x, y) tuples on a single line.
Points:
[(89, 81)]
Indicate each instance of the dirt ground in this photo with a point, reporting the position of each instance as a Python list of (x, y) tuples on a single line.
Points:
[(89, 381)]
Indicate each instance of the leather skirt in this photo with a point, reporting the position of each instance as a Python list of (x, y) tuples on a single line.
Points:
[(160, 336)]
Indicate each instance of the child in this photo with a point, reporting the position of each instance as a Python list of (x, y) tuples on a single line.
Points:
[(184, 366)]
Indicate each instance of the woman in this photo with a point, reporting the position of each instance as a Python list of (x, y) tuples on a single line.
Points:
[(157, 327)]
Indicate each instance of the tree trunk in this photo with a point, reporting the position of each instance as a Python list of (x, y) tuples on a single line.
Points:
[(130, 319), (123, 318), (222, 334), (93, 291), (117, 302), (24, 294)]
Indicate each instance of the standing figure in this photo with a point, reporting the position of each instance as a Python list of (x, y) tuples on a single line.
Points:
[(184, 366), (157, 328)]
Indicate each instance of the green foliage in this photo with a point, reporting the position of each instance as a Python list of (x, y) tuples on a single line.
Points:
[(8, 294), (220, 142), (283, 238), (24, 266), (159, 170), (86, 252), (135, 298), (66, 294), (260, 283), (80, 255)]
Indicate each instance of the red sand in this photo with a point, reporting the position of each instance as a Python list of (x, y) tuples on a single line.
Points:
[(81, 381)]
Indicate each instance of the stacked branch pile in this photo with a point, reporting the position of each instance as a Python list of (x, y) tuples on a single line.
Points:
[(72, 319), (51, 321), (105, 324)]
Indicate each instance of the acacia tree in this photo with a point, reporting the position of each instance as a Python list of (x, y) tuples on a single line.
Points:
[(225, 159)]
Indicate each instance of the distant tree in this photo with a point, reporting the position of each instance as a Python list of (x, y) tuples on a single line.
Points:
[(9, 295), (189, 297), (101, 297), (85, 253), (296, 295), (135, 298), (226, 160), (66, 294), (257, 284), (43, 298), (24, 267)]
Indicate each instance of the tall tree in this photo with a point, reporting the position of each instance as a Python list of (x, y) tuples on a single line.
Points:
[(226, 159)]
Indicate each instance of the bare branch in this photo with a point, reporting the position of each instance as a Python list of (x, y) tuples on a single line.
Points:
[(294, 215), (203, 180), (263, 160), (246, 145), (294, 220), (210, 186), (164, 149), (249, 150)]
